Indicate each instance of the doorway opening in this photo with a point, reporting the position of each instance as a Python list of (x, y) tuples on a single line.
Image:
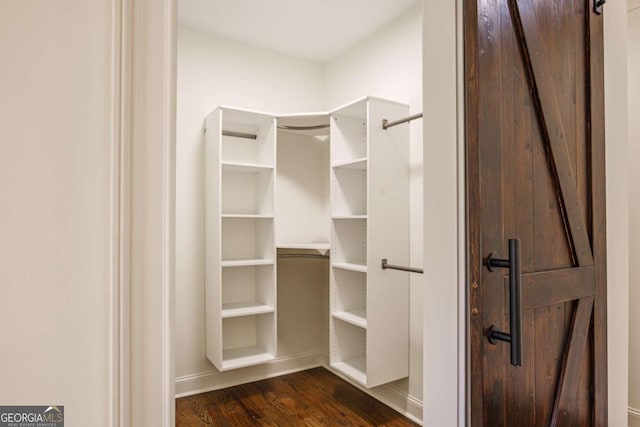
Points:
[(296, 64)]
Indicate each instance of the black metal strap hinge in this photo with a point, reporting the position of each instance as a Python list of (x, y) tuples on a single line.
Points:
[(597, 6)]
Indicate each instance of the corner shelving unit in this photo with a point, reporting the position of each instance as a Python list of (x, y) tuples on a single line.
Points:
[(348, 196), (369, 182), (240, 291)]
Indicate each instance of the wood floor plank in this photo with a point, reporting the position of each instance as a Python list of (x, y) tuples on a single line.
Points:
[(311, 398)]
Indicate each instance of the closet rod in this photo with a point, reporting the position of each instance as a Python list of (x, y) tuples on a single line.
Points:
[(239, 134), (314, 127), (303, 256), (387, 124), (386, 265)]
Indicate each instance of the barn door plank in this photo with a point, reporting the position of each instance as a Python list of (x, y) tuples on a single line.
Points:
[(553, 287), (531, 42), (599, 232), (569, 375)]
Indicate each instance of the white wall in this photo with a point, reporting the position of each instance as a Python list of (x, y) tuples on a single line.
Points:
[(388, 64), (55, 206), (617, 167), (634, 209), (213, 70)]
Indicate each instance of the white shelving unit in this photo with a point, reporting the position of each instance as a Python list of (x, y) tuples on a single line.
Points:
[(240, 290), (369, 327), (342, 187)]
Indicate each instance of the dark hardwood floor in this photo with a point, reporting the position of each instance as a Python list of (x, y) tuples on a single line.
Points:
[(314, 397)]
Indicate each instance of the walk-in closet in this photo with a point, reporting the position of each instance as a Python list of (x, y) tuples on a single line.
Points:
[(299, 195)]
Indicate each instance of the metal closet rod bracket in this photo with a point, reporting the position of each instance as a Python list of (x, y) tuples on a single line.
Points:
[(386, 124), (386, 265)]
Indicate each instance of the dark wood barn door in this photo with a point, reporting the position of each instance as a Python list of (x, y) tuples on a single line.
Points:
[(535, 173)]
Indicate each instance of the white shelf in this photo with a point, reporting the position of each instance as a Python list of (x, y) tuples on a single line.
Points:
[(355, 317), (349, 217), (250, 216), (245, 356), (314, 246), (349, 266), (245, 262), (359, 164), (244, 167), (354, 369), (245, 309)]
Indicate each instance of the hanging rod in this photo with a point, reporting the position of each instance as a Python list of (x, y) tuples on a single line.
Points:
[(239, 134), (316, 256), (314, 127), (387, 124), (283, 127), (386, 265)]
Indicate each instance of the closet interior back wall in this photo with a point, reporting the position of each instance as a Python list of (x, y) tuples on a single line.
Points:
[(302, 220)]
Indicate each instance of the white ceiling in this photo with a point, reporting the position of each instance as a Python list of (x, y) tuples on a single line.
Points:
[(313, 29)]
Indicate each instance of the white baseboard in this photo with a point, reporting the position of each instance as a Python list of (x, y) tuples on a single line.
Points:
[(214, 380), (634, 417), (402, 402)]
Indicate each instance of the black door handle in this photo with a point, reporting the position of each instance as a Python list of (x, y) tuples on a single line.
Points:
[(514, 338)]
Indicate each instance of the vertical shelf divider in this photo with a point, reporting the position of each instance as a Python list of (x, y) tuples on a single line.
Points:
[(240, 276), (369, 324)]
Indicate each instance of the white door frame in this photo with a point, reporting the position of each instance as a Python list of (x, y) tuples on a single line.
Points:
[(147, 54), (444, 327), (144, 55)]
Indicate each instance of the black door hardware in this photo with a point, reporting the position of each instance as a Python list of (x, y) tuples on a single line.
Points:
[(514, 338)]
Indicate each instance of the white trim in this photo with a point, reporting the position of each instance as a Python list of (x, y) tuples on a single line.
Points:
[(463, 353), (204, 382), (125, 209), (149, 165), (115, 203), (634, 417), (119, 405), (134, 416), (168, 217), (414, 407), (443, 357)]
